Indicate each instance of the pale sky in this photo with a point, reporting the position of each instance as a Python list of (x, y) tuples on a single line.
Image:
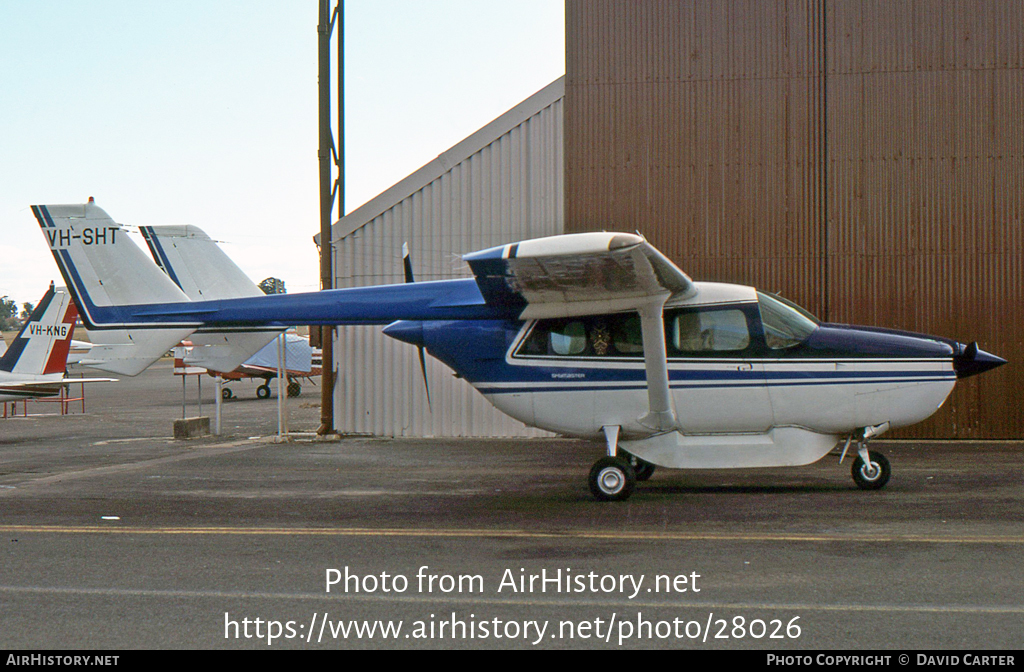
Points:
[(205, 112)]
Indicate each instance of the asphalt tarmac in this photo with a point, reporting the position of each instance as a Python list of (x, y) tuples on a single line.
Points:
[(115, 536)]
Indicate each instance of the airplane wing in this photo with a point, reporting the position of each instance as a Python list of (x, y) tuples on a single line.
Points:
[(60, 381), (576, 274), (588, 273)]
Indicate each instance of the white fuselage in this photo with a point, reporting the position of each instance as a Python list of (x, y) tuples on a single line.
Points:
[(761, 407)]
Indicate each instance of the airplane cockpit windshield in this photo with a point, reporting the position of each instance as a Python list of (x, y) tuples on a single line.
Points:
[(784, 324)]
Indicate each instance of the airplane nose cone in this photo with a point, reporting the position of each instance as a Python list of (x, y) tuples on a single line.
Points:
[(406, 331), (970, 361)]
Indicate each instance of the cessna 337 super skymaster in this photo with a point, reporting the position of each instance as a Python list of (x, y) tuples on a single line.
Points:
[(594, 335)]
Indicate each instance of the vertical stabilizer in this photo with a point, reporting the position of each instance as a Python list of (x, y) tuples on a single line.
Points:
[(41, 347), (197, 265), (105, 270)]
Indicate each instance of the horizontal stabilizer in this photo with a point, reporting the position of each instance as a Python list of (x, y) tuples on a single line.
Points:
[(129, 353)]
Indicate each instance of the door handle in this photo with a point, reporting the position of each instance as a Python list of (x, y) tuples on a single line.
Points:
[(745, 366)]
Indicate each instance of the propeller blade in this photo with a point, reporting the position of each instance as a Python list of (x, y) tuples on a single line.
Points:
[(423, 368), (407, 262), (407, 266)]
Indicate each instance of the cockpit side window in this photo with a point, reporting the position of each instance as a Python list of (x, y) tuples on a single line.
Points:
[(784, 325), (703, 331)]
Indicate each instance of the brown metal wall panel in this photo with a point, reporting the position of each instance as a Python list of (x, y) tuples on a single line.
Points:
[(864, 157), (926, 171)]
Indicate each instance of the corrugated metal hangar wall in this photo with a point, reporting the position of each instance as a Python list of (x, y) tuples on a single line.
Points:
[(500, 185), (863, 157)]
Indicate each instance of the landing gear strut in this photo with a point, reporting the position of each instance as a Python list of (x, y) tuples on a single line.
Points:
[(872, 473), (613, 478), (871, 469)]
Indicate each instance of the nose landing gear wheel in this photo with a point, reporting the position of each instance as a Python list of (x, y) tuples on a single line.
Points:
[(612, 479), (873, 475)]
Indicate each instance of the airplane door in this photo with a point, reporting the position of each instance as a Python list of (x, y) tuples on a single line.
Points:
[(720, 396), (716, 383)]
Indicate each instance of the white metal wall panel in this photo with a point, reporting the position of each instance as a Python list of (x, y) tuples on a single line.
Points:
[(500, 185)]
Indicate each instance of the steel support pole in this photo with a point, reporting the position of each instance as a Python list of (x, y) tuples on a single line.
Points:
[(324, 155)]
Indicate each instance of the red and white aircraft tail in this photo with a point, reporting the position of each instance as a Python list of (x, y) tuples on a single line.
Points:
[(41, 347), (33, 364)]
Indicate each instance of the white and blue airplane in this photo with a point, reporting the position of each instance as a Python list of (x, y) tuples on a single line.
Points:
[(593, 335)]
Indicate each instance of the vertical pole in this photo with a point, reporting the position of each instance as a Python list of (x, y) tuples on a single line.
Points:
[(826, 313), (217, 401), (326, 208), (340, 158), (280, 386)]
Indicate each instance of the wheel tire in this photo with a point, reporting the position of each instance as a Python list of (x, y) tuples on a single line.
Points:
[(263, 392), (612, 479), (642, 468), (871, 476), (226, 393), (294, 388)]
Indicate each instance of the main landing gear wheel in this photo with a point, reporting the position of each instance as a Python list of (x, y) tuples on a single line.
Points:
[(263, 392), (873, 475), (612, 479), (642, 468), (226, 393), (294, 388)]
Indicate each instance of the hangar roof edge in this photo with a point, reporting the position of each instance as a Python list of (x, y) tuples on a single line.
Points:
[(444, 162)]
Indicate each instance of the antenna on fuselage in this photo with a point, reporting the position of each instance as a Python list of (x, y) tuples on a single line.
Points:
[(407, 266)]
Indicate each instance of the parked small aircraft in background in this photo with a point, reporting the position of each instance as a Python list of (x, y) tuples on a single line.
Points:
[(197, 265), (201, 269), (595, 335), (33, 365)]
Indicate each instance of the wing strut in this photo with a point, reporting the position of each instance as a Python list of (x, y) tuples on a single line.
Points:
[(661, 416)]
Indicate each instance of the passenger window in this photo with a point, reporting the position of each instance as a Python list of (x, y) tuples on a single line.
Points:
[(598, 336), (710, 331), (627, 337), (570, 339)]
